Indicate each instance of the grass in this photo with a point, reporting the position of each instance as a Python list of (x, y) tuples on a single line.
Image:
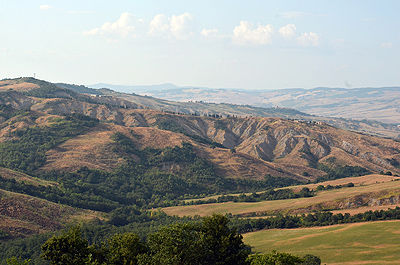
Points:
[(360, 243)]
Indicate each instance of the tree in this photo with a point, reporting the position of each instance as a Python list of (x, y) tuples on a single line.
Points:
[(275, 258), (311, 260), (224, 245), (68, 248), (176, 244), (124, 249), (210, 242)]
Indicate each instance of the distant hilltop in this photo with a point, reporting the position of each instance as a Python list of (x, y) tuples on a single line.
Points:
[(380, 104)]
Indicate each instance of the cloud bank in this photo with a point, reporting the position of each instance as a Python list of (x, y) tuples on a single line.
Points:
[(183, 27), (247, 34)]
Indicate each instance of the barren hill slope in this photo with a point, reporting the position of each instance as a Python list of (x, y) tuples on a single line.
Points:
[(263, 145)]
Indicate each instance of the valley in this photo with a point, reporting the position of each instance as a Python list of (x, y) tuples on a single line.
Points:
[(112, 162)]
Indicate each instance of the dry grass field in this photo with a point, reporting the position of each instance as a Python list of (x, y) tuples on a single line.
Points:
[(368, 187), (12, 84)]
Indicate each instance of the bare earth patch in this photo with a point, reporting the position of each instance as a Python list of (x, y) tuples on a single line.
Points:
[(88, 150), (23, 215)]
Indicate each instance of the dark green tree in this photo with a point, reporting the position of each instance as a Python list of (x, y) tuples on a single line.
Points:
[(311, 260), (69, 248), (224, 245), (124, 249), (275, 258), (210, 242), (176, 244)]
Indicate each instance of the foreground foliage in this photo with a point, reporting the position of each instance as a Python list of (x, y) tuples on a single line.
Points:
[(208, 242)]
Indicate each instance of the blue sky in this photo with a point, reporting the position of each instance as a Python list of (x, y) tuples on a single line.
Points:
[(218, 44)]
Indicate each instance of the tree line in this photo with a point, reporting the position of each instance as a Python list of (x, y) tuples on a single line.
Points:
[(269, 195), (311, 220), (210, 242)]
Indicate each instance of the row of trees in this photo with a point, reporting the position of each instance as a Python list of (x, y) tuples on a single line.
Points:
[(269, 195), (208, 242), (312, 219)]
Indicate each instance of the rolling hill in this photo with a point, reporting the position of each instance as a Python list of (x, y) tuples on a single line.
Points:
[(263, 146), (374, 113), (76, 154), (380, 104)]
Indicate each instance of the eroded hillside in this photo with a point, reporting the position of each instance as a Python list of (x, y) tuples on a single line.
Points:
[(254, 146)]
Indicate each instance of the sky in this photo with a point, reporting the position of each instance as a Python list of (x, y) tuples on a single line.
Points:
[(216, 44)]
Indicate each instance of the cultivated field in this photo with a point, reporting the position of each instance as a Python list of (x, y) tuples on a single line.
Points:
[(359, 243), (370, 187)]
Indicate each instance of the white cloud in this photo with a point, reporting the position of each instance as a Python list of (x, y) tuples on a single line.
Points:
[(182, 26), (308, 39), (246, 34), (45, 7), (179, 27), (387, 45), (288, 31), (160, 23), (210, 32), (122, 27)]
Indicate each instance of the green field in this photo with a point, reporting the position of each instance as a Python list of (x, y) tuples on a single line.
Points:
[(360, 243)]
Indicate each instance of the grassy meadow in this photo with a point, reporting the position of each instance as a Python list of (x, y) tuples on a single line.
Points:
[(358, 243)]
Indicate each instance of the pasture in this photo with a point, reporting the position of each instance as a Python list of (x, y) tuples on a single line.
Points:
[(358, 243)]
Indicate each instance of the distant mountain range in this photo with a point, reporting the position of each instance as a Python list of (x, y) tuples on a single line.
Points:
[(379, 104), (135, 89)]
